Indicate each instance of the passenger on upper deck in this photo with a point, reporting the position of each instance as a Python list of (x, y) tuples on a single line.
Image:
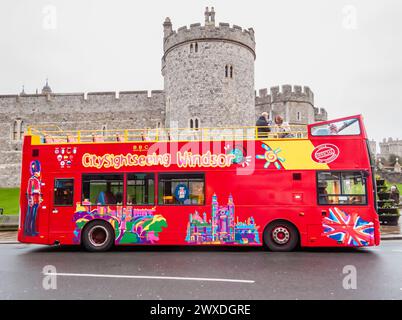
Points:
[(281, 128), (262, 125)]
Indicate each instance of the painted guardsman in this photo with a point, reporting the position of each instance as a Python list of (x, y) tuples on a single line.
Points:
[(34, 199)]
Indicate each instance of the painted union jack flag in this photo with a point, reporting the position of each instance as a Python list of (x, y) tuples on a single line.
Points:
[(349, 229)]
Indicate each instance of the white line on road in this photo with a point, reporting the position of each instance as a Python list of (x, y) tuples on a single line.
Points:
[(396, 250), (118, 276)]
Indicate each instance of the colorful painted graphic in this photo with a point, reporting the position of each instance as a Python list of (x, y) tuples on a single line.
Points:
[(240, 155), (34, 198), (65, 156), (348, 229), (131, 225), (271, 157), (222, 227)]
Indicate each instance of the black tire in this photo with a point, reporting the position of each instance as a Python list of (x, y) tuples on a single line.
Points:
[(97, 236), (281, 236)]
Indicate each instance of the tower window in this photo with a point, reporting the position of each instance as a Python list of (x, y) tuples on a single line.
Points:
[(194, 47), (194, 123), (229, 71), (298, 116), (21, 135), (17, 130)]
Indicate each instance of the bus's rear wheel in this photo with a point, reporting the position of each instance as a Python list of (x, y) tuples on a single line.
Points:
[(97, 236), (281, 236)]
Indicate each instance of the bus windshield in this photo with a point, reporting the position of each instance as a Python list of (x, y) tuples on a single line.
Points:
[(344, 128)]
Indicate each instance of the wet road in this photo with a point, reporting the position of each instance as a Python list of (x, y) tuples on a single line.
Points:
[(199, 273)]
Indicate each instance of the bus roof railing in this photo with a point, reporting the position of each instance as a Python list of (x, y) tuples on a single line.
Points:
[(55, 135)]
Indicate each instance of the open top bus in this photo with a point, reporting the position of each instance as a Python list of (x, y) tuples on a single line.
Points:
[(312, 187)]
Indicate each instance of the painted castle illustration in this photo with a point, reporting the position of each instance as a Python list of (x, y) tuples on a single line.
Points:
[(131, 225), (222, 228)]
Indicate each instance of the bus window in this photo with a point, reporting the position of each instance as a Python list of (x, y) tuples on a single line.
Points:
[(140, 189), (181, 189), (63, 192), (102, 189), (345, 188), (340, 128)]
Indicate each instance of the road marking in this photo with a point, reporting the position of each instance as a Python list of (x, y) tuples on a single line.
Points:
[(118, 276), (396, 250)]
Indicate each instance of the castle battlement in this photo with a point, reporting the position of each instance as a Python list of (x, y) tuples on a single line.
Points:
[(208, 32), (51, 103), (285, 93), (40, 97)]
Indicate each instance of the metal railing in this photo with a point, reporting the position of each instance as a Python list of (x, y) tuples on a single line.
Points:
[(55, 135)]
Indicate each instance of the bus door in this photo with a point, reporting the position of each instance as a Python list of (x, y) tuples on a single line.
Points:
[(61, 208)]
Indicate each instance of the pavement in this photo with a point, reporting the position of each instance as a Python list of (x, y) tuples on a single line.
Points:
[(194, 273), (9, 222)]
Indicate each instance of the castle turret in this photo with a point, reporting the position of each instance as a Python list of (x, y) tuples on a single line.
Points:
[(209, 75), (167, 28), (46, 89)]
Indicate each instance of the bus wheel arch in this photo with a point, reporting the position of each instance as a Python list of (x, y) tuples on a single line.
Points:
[(97, 236), (281, 235)]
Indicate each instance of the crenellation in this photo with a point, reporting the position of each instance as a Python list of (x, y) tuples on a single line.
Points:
[(181, 29), (197, 32), (263, 92)]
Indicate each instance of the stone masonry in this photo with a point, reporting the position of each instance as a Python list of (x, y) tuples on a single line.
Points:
[(208, 75)]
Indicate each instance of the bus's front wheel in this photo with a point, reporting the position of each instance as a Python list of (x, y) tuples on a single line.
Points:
[(281, 236), (97, 236)]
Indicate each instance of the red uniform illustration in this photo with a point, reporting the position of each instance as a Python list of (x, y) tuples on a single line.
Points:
[(34, 199)]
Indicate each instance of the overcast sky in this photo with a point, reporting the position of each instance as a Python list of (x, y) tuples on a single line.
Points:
[(348, 52)]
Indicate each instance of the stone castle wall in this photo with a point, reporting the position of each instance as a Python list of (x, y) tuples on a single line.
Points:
[(197, 87), (390, 147), (94, 111)]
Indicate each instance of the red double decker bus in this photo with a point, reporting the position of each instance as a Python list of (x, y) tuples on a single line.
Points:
[(308, 186)]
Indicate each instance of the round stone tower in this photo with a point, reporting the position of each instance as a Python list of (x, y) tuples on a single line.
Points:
[(208, 75)]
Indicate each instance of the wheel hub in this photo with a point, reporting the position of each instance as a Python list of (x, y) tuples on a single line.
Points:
[(281, 235), (98, 235)]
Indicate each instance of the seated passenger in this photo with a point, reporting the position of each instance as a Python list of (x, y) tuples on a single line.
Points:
[(71, 139), (333, 129), (281, 128), (97, 138)]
